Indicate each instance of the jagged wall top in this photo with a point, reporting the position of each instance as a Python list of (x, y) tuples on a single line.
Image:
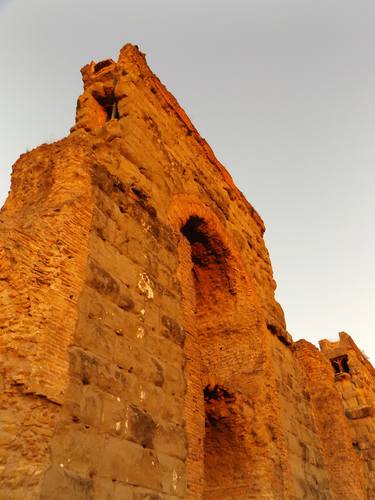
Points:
[(104, 98)]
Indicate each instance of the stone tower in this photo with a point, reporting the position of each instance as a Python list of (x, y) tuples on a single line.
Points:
[(143, 354)]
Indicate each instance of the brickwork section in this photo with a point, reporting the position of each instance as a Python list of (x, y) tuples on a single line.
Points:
[(43, 252), (225, 417), (143, 353)]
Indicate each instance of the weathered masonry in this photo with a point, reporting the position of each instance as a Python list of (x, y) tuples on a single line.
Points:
[(143, 355)]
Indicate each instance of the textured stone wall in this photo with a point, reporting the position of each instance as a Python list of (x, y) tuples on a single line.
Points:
[(357, 393), (43, 253), (143, 352), (344, 469), (305, 456), (229, 445)]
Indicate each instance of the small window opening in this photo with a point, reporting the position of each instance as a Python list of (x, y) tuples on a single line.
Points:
[(109, 104), (102, 64), (340, 364)]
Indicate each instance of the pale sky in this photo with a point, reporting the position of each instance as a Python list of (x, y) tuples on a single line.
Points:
[(283, 91)]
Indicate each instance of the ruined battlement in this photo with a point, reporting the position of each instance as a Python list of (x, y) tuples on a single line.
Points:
[(143, 353)]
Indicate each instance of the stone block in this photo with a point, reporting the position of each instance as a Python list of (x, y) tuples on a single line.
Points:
[(61, 483), (362, 412), (91, 405), (172, 330), (112, 418), (135, 359), (139, 427), (104, 489), (104, 374), (173, 475), (78, 448), (129, 462), (171, 440), (174, 381)]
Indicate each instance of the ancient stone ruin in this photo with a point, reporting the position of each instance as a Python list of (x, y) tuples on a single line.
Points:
[(143, 354)]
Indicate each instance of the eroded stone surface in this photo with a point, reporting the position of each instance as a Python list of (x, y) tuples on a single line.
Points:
[(143, 355)]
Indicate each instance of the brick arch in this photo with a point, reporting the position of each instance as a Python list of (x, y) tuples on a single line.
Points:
[(220, 313), (183, 207)]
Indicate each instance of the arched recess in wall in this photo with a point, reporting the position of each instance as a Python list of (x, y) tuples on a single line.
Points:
[(216, 308)]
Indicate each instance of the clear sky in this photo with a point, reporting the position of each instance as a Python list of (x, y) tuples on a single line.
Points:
[(283, 91)]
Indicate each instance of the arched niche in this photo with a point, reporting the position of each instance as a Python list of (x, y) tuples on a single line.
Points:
[(217, 305)]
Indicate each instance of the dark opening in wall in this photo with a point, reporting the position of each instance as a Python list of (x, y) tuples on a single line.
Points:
[(217, 459), (102, 64), (340, 364), (217, 402), (206, 249), (108, 103), (211, 268)]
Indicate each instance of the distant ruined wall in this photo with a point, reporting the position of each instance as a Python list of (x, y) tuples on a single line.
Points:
[(143, 352), (307, 467), (342, 464), (356, 388)]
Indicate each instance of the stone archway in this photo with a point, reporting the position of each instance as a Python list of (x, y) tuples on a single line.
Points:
[(221, 453)]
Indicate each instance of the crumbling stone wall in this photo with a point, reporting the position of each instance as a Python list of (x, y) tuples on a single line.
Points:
[(344, 470), (43, 225), (355, 385), (144, 354), (305, 455)]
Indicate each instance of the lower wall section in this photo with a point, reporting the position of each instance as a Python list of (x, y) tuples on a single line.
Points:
[(137, 362), (305, 458), (99, 464), (121, 431), (27, 424)]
